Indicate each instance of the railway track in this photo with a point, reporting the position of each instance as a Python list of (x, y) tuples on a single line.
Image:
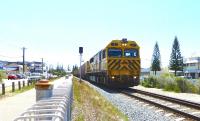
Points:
[(186, 108)]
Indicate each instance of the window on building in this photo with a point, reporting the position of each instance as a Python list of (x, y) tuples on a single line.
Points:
[(192, 64)]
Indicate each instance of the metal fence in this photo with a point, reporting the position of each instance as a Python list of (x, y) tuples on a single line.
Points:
[(55, 108)]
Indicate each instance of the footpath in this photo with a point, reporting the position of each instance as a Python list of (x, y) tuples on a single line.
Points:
[(12, 107)]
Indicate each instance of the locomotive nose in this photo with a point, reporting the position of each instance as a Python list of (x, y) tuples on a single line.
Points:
[(123, 63)]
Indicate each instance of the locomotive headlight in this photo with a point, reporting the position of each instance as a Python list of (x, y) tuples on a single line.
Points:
[(113, 77), (124, 44), (134, 77)]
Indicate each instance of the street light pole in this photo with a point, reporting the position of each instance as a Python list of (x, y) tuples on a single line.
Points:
[(80, 51), (80, 65), (198, 59)]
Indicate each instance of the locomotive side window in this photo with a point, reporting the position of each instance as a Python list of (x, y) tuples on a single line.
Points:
[(104, 53), (114, 52), (130, 53), (91, 60), (100, 55)]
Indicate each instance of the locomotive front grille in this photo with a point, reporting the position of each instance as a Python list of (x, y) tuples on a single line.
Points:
[(130, 65)]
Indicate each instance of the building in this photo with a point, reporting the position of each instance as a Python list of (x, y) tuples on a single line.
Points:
[(192, 67), (14, 68), (38, 67)]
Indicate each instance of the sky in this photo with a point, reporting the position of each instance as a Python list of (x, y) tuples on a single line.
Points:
[(54, 29)]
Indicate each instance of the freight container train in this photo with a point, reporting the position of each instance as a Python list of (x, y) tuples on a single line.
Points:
[(117, 65)]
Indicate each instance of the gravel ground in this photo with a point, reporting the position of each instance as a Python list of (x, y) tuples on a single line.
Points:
[(133, 109)]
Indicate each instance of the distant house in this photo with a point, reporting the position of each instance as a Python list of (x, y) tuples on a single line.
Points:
[(145, 72), (2, 65), (37, 67), (192, 67), (14, 68)]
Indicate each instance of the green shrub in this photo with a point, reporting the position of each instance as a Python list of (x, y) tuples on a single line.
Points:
[(149, 82), (169, 82), (182, 84), (198, 86), (171, 85)]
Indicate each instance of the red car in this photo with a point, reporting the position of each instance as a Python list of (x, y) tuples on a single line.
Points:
[(12, 76)]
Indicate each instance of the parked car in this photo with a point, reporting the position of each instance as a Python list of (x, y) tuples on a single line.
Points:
[(12, 76), (21, 76)]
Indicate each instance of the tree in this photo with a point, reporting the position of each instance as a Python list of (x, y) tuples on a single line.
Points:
[(75, 70), (176, 60), (155, 64), (68, 68)]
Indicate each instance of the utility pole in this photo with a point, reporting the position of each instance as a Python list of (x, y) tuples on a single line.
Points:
[(81, 52), (198, 71), (23, 59), (42, 66)]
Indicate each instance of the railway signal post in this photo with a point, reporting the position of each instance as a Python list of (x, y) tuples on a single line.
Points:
[(80, 52)]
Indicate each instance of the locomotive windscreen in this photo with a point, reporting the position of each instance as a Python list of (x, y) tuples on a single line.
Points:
[(114, 52), (131, 53)]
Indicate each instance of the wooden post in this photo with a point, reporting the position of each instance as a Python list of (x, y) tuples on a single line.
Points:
[(19, 85), (13, 86), (28, 82), (3, 89), (23, 83)]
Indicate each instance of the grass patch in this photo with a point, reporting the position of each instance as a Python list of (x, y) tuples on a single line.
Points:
[(90, 105)]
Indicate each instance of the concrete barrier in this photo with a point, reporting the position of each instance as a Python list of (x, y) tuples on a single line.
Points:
[(56, 107)]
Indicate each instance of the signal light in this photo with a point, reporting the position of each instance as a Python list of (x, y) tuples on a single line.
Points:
[(80, 50)]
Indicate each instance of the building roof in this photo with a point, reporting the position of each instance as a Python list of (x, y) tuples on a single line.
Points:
[(192, 60)]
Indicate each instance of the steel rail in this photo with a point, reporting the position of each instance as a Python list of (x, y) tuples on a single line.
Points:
[(172, 99), (162, 106)]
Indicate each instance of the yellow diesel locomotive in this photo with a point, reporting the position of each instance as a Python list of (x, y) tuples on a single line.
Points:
[(117, 65)]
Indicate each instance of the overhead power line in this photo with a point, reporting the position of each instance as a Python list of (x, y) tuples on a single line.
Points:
[(10, 56)]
